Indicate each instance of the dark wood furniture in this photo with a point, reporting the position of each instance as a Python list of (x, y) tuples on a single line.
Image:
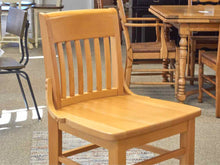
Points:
[(107, 114), (200, 40), (161, 51), (187, 19), (17, 24), (211, 60), (139, 8)]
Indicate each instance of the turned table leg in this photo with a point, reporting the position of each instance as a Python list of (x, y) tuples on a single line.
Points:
[(182, 63)]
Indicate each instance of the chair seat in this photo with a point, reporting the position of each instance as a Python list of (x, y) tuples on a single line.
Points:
[(8, 63), (211, 56), (46, 6), (151, 47), (119, 117)]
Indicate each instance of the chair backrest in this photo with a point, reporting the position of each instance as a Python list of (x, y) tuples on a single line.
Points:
[(123, 22), (72, 35), (203, 2), (18, 24), (13, 3)]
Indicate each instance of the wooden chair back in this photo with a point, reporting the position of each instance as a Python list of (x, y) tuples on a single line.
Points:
[(16, 21), (203, 2), (61, 33)]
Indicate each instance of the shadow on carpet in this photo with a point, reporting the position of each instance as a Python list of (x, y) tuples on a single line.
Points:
[(99, 156)]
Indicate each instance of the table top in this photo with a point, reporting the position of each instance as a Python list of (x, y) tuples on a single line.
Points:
[(187, 13)]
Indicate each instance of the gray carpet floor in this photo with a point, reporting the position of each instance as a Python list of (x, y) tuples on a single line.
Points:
[(17, 124)]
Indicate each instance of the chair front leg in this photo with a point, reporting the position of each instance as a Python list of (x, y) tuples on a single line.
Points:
[(187, 141), (54, 141), (117, 155)]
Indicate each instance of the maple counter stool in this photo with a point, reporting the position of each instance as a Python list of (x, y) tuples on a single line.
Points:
[(101, 109)]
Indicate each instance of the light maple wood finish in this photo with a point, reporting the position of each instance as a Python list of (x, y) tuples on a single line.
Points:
[(106, 113), (187, 19), (199, 42), (210, 59), (137, 53)]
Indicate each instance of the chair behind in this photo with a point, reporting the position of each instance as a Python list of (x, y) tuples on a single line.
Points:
[(162, 51), (210, 59), (17, 25)]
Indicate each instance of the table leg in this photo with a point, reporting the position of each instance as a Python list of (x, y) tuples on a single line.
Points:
[(181, 96)]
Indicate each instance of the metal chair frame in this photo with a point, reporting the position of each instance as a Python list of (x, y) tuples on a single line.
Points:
[(20, 73)]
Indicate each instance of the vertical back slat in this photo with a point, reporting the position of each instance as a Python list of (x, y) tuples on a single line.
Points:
[(70, 68), (107, 62), (62, 69), (88, 65), (98, 65), (80, 66)]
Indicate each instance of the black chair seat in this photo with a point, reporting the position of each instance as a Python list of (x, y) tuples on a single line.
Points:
[(8, 63)]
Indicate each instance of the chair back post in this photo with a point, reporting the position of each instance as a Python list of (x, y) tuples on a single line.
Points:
[(62, 29), (99, 3), (26, 53), (123, 22), (59, 3)]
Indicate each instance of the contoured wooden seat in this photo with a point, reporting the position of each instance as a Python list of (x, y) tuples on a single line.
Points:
[(92, 101), (160, 51)]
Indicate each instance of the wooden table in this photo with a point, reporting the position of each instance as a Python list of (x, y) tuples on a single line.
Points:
[(187, 19)]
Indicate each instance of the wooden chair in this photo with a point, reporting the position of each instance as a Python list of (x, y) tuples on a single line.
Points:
[(160, 51), (17, 25), (44, 8), (197, 42), (98, 106), (210, 59)]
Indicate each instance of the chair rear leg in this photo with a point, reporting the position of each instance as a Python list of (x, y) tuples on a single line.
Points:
[(22, 91), (201, 70), (32, 93), (217, 95), (165, 66)]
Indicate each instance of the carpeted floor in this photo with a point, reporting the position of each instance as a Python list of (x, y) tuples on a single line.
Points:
[(18, 127), (99, 156)]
